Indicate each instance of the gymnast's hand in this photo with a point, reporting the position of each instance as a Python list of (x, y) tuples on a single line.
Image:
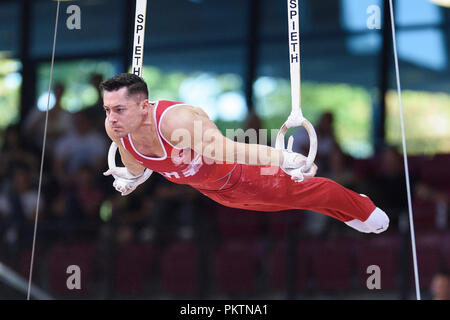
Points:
[(125, 182), (294, 165)]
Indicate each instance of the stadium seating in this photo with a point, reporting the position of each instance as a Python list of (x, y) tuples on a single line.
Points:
[(331, 264), (236, 265), (278, 223), (24, 264), (445, 250), (134, 268), (179, 268), (424, 213), (435, 171), (61, 256), (277, 267), (239, 224), (381, 251), (429, 256)]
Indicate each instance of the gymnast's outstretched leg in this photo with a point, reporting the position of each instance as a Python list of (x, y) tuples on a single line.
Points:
[(328, 197), (264, 192)]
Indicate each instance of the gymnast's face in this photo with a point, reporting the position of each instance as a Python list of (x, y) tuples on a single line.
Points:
[(124, 113)]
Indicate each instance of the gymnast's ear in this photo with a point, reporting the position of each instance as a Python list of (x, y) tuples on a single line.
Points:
[(144, 105)]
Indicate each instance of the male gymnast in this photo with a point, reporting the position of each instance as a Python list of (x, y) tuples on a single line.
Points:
[(181, 143)]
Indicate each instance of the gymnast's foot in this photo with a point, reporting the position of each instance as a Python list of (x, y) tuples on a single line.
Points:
[(377, 222)]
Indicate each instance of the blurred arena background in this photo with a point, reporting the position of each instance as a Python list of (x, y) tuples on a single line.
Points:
[(229, 57)]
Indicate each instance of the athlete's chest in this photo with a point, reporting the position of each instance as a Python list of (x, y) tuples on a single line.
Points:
[(150, 147)]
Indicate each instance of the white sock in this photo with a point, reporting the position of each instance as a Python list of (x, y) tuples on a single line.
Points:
[(358, 225), (377, 222)]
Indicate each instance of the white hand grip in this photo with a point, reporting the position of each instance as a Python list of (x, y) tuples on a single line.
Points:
[(279, 143), (112, 163)]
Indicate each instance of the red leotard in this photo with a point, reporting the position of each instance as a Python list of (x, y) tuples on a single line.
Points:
[(259, 188)]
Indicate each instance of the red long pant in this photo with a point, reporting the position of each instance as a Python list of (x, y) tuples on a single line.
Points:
[(252, 190)]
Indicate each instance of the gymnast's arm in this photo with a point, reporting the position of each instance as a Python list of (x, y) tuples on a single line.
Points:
[(128, 160), (189, 127)]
